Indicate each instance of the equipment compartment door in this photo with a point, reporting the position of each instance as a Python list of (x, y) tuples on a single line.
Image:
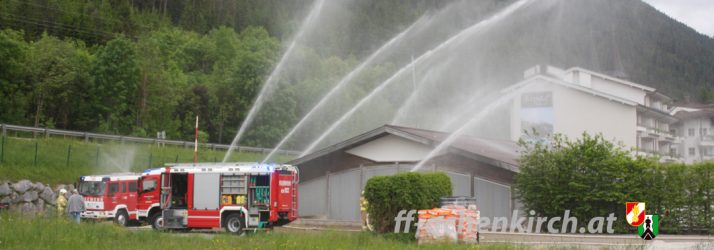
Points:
[(165, 190), (206, 195), (206, 198)]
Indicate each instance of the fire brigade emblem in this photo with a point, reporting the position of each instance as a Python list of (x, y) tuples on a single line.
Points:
[(635, 213)]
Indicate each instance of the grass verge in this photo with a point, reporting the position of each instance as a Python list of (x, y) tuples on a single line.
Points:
[(57, 160), (52, 233)]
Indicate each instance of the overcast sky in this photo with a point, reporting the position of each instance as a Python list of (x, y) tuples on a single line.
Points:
[(698, 14)]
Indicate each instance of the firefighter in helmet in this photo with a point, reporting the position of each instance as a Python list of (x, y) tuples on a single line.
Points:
[(363, 204), (61, 202)]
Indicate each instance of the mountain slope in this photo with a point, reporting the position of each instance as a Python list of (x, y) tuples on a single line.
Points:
[(628, 39)]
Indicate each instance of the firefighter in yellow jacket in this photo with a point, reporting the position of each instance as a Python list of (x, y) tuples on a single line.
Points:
[(61, 203), (363, 204)]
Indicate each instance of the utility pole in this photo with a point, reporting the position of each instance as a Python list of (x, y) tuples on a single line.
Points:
[(195, 145)]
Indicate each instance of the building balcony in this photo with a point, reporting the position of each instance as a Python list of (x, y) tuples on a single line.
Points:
[(663, 156), (648, 132), (707, 140)]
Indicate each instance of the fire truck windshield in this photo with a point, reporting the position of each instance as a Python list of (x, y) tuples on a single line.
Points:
[(93, 188)]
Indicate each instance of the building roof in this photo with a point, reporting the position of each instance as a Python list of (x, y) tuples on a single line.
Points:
[(502, 153), (617, 80), (570, 86), (702, 110), (641, 108)]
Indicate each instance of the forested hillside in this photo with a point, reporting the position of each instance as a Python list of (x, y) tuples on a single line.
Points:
[(138, 67), (141, 66)]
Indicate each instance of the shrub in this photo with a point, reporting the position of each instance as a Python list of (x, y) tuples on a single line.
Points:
[(387, 195), (592, 177)]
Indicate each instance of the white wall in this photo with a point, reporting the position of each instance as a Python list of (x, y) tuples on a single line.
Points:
[(391, 148), (618, 89), (697, 124), (576, 111)]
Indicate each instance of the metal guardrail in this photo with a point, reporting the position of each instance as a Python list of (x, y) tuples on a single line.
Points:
[(87, 135)]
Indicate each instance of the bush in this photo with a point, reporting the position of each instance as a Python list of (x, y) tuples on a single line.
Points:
[(387, 195), (592, 177)]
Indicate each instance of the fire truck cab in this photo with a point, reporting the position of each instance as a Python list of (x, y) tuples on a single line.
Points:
[(149, 209), (234, 196), (110, 197)]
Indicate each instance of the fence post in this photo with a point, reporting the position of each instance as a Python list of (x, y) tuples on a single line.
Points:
[(37, 145), (97, 157), (177, 158), (86, 137), (151, 156), (69, 153), (2, 148), (4, 130)]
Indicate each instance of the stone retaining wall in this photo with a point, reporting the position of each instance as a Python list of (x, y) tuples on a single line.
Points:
[(30, 198)]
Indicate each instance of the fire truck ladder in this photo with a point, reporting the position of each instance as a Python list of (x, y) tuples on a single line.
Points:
[(293, 208)]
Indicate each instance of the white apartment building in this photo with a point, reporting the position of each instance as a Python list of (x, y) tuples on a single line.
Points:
[(570, 102), (696, 127)]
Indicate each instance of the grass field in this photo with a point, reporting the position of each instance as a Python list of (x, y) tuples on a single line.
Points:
[(51, 233), (57, 160)]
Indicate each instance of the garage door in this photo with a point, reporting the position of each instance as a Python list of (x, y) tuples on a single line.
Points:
[(460, 184), (344, 191), (493, 199), (311, 197)]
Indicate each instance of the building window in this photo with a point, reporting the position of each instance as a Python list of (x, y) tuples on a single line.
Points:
[(704, 151), (690, 132), (703, 132), (692, 152)]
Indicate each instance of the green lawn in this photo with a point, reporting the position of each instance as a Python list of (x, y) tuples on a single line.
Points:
[(50, 233), (64, 160)]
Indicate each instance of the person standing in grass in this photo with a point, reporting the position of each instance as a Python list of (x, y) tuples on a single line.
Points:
[(363, 204), (75, 206), (61, 202)]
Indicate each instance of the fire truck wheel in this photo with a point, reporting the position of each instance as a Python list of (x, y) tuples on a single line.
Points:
[(234, 223), (157, 221), (122, 218)]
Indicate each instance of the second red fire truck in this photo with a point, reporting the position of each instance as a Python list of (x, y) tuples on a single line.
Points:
[(234, 196)]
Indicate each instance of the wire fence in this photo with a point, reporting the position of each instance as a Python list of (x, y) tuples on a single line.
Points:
[(87, 136)]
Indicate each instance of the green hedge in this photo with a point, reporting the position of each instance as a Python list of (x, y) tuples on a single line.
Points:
[(387, 195), (592, 177)]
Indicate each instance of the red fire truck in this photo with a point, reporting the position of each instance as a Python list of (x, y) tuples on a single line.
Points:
[(234, 196), (110, 196)]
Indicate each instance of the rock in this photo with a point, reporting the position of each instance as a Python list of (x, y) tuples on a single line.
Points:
[(28, 208), (29, 196), (5, 189), (23, 207), (16, 198), (22, 186), (39, 186), (6, 200), (40, 205), (48, 195)]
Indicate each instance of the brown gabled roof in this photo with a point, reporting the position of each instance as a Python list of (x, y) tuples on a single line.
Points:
[(500, 150), (496, 150)]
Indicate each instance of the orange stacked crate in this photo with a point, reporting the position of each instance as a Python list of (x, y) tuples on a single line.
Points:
[(450, 223)]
